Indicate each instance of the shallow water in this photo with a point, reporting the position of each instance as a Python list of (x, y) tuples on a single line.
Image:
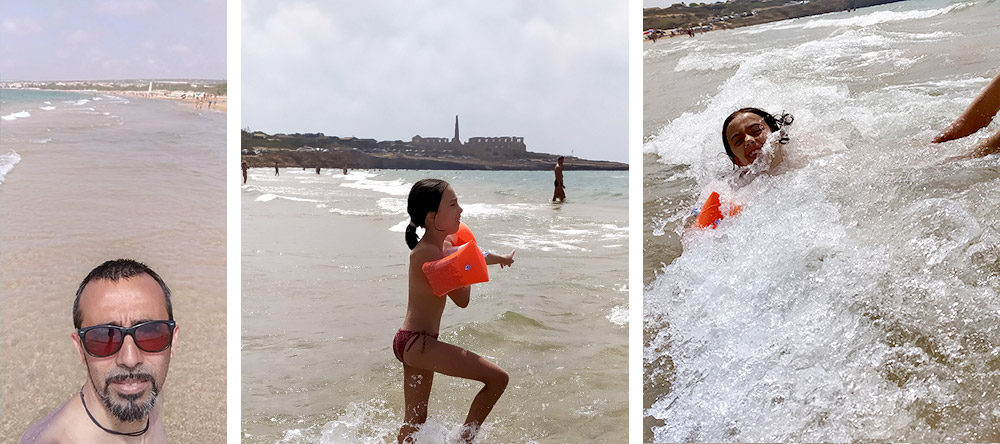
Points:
[(856, 295), (324, 285), (91, 177)]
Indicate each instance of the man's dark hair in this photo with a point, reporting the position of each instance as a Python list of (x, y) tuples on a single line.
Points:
[(114, 271)]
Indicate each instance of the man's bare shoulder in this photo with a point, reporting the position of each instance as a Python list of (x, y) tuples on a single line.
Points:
[(53, 429)]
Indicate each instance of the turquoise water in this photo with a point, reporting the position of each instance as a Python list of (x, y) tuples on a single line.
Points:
[(324, 290), (22, 104)]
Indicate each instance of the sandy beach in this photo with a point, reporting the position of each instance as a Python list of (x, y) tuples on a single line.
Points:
[(101, 178), (188, 99)]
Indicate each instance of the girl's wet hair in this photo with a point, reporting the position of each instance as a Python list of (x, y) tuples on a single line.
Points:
[(775, 123), (425, 197)]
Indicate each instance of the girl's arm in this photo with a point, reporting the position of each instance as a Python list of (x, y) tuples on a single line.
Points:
[(505, 260), (979, 114), (460, 296)]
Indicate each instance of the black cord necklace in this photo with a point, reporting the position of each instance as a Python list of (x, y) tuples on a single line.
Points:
[(113, 432)]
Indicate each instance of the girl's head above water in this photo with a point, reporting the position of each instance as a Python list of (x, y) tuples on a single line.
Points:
[(746, 130), (431, 201)]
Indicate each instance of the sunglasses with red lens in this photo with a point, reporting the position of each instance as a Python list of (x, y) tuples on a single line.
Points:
[(105, 340)]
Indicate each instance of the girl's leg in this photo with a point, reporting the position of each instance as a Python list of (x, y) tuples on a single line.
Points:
[(416, 393), (456, 361), (990, 146)]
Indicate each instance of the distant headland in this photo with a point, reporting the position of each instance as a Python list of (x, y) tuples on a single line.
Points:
[(687, 19), (420, 153)]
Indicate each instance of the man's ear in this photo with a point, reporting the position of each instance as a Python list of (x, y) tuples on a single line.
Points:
[(173, 343), (80, 352)]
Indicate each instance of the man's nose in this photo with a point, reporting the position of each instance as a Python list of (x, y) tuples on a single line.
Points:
[(129, 356)]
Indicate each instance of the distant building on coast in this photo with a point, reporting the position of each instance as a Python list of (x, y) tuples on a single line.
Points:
[(507, 146)]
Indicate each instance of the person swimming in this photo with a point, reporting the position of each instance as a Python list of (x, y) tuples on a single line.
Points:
[(745, 133), (753, 140)]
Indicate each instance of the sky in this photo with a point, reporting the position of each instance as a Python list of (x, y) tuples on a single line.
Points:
[(112, 39), (554, 72)]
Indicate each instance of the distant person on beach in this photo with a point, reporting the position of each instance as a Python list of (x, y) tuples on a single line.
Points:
[(560, 191), (124, 337), (317, 170), (979, 114), (345, 171), (433, 204), (276, 173), (245, 167)]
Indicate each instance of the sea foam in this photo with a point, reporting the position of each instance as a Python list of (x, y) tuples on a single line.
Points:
[(7, 162)]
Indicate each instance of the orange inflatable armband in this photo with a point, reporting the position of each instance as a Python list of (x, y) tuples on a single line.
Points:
[(466, 266), (463, 235), (711, 212)]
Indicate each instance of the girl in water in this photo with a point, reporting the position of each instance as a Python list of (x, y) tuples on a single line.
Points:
[(745, 132), (745, 135), (433, 204)]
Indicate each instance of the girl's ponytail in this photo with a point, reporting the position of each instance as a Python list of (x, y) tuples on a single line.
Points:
[(411, 236)]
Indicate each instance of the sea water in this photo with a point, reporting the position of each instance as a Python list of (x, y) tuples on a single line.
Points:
[(324, 291), (87, 177), (855, 298)]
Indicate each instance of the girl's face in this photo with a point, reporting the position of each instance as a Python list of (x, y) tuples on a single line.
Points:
[(746, 134), (449, 213)]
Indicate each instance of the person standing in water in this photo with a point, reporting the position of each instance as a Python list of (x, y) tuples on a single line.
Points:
[(276, 173), (433, 204), (560, 191), (245, 167)]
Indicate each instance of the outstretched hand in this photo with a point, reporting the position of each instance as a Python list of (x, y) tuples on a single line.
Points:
[(979, 114), (507, 260)]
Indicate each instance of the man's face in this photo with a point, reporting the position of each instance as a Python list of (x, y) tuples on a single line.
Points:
[(129, 380)]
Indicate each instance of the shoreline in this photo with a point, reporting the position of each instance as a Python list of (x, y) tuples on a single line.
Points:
[(163, 95)]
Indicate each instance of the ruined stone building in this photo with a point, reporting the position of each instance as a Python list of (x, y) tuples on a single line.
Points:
[(484, 147)]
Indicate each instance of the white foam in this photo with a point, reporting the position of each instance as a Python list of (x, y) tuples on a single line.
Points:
[(7, 162), (362, 181), (877, 17), (17, 115), (618, 315), (47, 108), (392, 205), (350, 212)]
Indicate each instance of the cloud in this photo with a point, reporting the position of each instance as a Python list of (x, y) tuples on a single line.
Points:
[(554, 72), (20, 26), (98, 39), (119, 8)]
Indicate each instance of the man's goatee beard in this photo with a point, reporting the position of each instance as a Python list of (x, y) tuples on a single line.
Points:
[(131, 410)]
